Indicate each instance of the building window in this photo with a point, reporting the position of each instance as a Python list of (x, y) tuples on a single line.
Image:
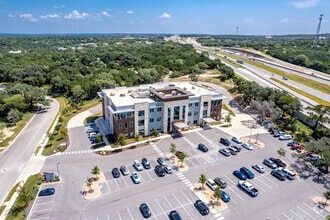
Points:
[(141, 122), (141, 113), (184, 112), (159, 109), (151, 120), (159, 118), (190, 104), (126, 134), (125, 124), (204, 113), (176, 112), (120, 126), (205, 104), (131, 124), (132, 134), (196, 104), (189, 113), (141, 132), (195, 122), (151, 110), (195, 113)]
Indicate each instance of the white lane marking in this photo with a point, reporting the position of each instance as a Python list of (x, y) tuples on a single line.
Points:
[(264, 183), (217, 215), (305, 212), (314, 210), (168, 202), (286, 216), (295, 214), (119, 215), (237, 194), (163, 211)]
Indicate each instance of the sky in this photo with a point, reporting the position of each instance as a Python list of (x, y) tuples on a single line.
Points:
[(243, 17)]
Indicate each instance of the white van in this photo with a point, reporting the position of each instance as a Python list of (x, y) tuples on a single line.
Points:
[(289, 174), (210, 183)]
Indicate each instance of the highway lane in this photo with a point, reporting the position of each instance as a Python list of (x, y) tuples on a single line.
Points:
[(15, 157)]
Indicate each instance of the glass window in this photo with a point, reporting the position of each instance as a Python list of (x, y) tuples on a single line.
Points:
[(141, 122), (151, 110), (195, 113), (120, 126), (196, 104), (205, 104), (176, 111), (159, 109), (151, 120), (141, 113), (125, 124), (159, 118), (189, 113), (195, 122), (131, 124), (204, 113), (190, 104)]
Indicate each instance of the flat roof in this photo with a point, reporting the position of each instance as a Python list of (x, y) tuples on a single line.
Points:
[(127, 96)]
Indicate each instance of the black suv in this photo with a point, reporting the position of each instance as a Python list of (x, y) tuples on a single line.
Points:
[(145, 163), (278, 162), (224, 141), (203, 147), (201, 207), (160, 170), (115, 172)]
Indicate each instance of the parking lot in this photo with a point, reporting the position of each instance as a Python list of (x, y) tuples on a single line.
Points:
[(120, 197)]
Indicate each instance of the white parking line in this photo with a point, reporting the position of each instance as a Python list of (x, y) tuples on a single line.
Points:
[(177, 199), (168, 202), (117, 185), (270, 180), (185, 197), (185, 180), (259, 179), (41, 218), (217, 215), (108, 217), (119, 215), (187, 212), (306, 213), (130, 214), (237, 194), (314, 210), (163, 211), (149, 175), (286, 216), (229, 179), (295, 214), (42, 203), (259, 187), (42, 210)]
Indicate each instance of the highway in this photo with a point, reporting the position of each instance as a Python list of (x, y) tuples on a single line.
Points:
[(16, 156)]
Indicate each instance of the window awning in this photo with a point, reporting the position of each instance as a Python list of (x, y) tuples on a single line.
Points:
[(180, 125), (209, 120)]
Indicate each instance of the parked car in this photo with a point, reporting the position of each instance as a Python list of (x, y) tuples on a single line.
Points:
[(289, 174), (220, 182), (203, 147), (292, 143), (278, 162), (168, 169), (314, 157), (159, 170), (258, 168), (238, 148), (225, 141), (236, 140), (201, 207), (225, 197), (232, 150), (285, 137), (211, 184), (47, 192), (307, 153), (124, 170), (225, 152), (297, 147), (247, 146), (161, 161), (239, 175), (248, 173), (145, 163), (269, 163), (272, 130), (115, 172), (145, 210), (279, 174), (137, 165), (136, 178), (174, 215)]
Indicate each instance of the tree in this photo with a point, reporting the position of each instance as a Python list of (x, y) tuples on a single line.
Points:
[(318, 114), (96, 172), (217, 194), (172, 149), (89, 183), (228, 118), (181, 156), (137, 137), (154, 132), (327, 196), (202, 179), (121, 139), (14, 116), (281, 152)]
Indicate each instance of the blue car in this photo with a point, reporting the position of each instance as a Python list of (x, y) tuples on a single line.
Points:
[(224, 196), (247, 172), (239, 175)]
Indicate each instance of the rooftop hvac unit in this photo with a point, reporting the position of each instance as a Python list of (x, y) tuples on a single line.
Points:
[(112, 94), (122, 94), (193, 87)]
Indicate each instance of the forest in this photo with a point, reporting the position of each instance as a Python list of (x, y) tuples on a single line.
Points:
[(293, 49), (77, 67)]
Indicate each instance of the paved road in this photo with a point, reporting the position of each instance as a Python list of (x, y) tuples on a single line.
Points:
[(14, 159)]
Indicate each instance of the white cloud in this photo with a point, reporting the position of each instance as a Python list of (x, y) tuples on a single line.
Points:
[(304, 3), (50, 16), (76, 15), (165, 16), (11, 15), (59, 6), (249, 20), (105, 14), (129, 12), (26, 16), (285, 20)]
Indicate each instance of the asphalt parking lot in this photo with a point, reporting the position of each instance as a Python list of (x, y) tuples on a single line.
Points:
[(120, 198)]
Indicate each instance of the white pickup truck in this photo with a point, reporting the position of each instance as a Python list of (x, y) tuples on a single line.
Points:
[(248, 187)]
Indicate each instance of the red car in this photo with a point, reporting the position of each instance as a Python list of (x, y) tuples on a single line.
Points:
[(307, 154), (297, 147)]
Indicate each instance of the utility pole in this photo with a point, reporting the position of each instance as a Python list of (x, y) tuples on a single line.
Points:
[(318, 30), (236, 31)]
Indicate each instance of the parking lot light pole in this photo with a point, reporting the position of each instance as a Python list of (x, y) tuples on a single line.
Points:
[(58, 171)]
